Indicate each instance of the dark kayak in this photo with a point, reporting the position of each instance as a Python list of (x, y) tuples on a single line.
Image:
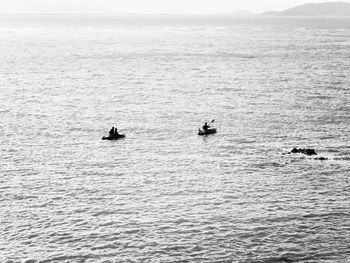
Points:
[(114, 137), (207, 132)]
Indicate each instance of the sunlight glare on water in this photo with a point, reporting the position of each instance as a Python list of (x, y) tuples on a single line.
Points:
[(165, 194)]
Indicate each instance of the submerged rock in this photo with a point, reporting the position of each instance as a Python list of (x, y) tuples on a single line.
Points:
[(321, 158)]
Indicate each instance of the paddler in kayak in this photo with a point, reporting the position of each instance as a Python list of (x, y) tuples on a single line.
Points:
[(112, 131), (206, 129), (206, 126), (113, 135)]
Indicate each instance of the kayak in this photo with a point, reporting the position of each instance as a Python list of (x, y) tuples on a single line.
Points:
[(114, 137), (207, 132)]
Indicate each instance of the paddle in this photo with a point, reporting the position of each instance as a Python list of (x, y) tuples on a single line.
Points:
[(211, 123)]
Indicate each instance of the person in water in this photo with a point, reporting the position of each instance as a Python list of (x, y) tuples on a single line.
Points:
[(206, 126)]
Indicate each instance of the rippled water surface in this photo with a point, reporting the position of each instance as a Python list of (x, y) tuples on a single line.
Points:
[(164, 194)]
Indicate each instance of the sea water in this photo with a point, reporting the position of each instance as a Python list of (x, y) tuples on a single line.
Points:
[(165, 194)]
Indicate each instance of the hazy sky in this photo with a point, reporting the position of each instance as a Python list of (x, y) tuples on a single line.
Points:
[(146, 6)]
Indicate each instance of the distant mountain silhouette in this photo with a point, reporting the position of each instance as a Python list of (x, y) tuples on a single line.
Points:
[(313, 9)]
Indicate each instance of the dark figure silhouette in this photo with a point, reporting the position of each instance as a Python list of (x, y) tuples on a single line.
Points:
[(113, 135), (206, 127), (112, 131)]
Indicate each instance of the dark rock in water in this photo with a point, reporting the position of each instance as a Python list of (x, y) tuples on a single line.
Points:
[(321, 159), (295, 150), (308, 152)]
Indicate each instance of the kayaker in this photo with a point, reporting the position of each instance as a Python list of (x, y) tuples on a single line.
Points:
[(116, 131), (206, 126), (112, 131)]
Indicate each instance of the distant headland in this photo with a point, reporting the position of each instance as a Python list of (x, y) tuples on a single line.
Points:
[(315, 9)]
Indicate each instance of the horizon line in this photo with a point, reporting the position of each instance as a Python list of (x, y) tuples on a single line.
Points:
[(143, 14), (227, 14)]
